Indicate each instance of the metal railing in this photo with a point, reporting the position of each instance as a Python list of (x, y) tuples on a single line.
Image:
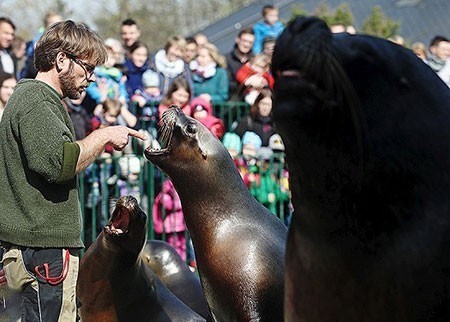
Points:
[(108, 178)]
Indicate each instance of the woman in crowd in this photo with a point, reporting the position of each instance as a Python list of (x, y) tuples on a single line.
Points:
[(169, 64), (179, 93), (209, 74), (7, 84), (259, 120), (135, 66)]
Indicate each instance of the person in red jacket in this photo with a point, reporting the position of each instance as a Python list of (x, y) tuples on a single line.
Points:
[(254, 76), (202, 112)]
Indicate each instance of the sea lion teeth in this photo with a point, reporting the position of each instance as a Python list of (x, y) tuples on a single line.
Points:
[(115, 285)]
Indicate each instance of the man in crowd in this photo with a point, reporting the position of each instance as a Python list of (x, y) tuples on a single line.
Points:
[(130, 33), (439, 58), (241, 53)]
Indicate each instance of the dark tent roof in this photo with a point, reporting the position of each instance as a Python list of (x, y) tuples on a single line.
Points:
[(420, 20)]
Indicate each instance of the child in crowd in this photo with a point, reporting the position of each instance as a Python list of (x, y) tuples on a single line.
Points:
[(247, 166), (280, 170), (128, 182), (109, 83), (276, 143), (7, 84), (135, 66), (254, 76), (269, 46), (202, 112), (168, 218), (269, 27), (179, 93), (232, 143), (266, 186), (113, 113), (149, 97)]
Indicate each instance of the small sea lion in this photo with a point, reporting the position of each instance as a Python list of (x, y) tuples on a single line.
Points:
[(366, 128), (115, 285), (239, 245)]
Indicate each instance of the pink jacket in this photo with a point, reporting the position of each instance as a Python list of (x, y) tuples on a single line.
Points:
[(168, 200)]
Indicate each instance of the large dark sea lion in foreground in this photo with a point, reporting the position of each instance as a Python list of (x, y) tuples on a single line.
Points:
[(367, 135), (174, 273), (113, 283), (239, 245)]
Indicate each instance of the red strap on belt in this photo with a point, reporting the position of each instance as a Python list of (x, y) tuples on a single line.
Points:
[(58, 279), (2, 277)]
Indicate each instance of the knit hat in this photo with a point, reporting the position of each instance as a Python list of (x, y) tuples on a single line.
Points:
[(150, 79), (198, 101), (253, 139), (264, 153), (232, 142), (276, 143)]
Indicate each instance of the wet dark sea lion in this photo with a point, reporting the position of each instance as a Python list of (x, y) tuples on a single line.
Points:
[(114, 284), (170, 268), (366, 129), (239, 245)]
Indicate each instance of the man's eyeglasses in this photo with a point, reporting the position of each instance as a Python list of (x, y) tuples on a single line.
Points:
[(88, 68)]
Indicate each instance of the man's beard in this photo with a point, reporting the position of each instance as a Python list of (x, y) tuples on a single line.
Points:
[(68, 84)]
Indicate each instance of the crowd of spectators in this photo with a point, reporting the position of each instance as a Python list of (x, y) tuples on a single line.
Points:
[(135, 86)]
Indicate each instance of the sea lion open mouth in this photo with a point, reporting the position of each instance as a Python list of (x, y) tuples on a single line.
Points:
[(172, 120), (118, 224), (167, 124)]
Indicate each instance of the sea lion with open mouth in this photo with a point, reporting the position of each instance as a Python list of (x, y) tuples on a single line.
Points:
[(174, 273), (115, 285), (366, 128), (239, 245)]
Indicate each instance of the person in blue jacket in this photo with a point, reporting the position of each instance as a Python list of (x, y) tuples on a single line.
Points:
[(270, 27)]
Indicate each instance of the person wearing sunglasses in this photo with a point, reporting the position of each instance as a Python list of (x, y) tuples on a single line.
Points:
[(40, 214)]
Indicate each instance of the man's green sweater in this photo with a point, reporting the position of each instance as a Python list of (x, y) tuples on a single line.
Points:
[(39, 205)]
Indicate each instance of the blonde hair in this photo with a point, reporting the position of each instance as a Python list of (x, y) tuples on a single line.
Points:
[(180, 42), (215, 55), (261, 58), (51, 17), (419, 48)]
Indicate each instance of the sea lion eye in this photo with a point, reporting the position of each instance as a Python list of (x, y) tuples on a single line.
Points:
[(191, 128)]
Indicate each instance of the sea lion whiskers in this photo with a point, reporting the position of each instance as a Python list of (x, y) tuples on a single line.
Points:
[(166, 123), (332, 85)]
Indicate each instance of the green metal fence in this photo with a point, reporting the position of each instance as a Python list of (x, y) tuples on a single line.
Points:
[(109, 178), (102, 183)]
